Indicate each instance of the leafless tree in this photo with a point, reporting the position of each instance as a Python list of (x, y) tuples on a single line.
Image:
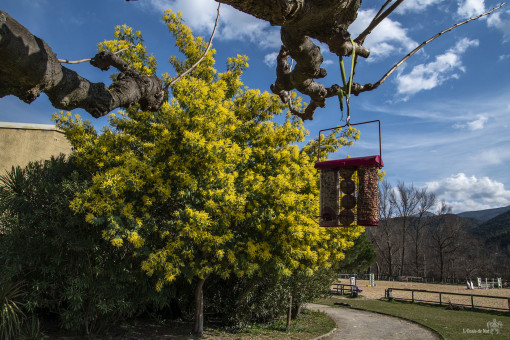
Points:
[(405, 200), (384, 237), (418, 225), (445, 237)]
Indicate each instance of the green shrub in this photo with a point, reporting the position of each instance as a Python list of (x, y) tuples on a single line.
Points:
[(69, 269), (11, 313), (240, 302)]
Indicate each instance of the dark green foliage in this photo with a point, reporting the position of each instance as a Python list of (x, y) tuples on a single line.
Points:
[(68, 268), (11, 313), (239, 302), (360, 257)]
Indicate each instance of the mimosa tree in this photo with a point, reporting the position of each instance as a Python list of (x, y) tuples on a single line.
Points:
[(209, 184)]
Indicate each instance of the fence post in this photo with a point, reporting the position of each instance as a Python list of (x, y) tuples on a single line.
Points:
[(472, 302), (440, 299), (508, 304)]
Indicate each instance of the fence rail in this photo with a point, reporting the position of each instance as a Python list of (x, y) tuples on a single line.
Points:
[(389, 295)]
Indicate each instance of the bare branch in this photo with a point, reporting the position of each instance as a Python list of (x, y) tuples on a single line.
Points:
[(382, 9), (203, 55), (358, 88), (67, 61), (377, 20)]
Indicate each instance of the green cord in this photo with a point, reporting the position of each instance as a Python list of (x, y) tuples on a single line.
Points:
[(342, 70), (341, 93), (352, 68)]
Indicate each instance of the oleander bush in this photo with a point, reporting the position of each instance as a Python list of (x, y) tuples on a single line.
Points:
[(70, 271)]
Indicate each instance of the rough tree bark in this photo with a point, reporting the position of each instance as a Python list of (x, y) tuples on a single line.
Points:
[(327, 21), (28, 67), (300, 20), (198, 328)]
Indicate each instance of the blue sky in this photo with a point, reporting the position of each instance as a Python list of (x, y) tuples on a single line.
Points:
[(445, 114)]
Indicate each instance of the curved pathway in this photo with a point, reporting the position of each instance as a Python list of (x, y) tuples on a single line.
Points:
[(355, 324)]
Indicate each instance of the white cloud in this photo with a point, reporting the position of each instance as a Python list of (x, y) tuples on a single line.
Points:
[(477, 124), (427, 76), (387, 38), (503, 57), (474, 125), (465, 193), (270, 59), (415, 5), (491, 157), (501, 21), (233, 24), (470, 8)]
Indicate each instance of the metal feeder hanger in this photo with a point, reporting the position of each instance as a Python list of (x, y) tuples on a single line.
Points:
[(349, 191)]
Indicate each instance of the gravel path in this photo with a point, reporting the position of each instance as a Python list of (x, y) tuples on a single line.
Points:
[(356, 324)]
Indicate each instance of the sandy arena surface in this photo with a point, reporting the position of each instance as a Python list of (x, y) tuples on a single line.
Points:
[(378, 291)]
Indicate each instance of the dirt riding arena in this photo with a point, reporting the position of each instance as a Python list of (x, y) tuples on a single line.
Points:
[(378, 292)]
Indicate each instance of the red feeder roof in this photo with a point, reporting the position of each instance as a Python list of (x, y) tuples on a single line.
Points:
[(357, 162)]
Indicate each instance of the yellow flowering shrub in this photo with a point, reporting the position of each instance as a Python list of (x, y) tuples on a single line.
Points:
[(209, 184)]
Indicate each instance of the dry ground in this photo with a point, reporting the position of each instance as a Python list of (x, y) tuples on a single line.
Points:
[(378, 291)]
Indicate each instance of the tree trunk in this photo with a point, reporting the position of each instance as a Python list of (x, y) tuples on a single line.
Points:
[(296, 310), (390, 262), (441, 264), (402, 260), (289, 313), (199, 307)]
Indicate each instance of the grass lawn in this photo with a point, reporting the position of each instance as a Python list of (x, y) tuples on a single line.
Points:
[(308, 326), (452, 324)]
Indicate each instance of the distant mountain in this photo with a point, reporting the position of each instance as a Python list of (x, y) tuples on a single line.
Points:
[(484, 215), (495, 230)]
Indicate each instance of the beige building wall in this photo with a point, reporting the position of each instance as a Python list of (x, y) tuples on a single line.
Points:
[(21, 143)]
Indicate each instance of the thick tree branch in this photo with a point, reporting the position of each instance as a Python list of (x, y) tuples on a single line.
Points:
[(28, 67), (358, 88), (324, 20), (300, 20)]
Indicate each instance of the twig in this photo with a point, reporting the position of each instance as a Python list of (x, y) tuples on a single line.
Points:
[(203, 55), (66, 61), (369, 87), (377, 20), (382, 9)]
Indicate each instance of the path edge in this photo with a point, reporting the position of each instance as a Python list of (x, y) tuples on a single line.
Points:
[(436, 332), (327, 334)]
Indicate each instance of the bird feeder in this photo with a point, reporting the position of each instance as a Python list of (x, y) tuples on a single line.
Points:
[(349, 190)]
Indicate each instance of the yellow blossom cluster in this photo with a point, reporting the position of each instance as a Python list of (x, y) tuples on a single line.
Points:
[(210, 183)]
